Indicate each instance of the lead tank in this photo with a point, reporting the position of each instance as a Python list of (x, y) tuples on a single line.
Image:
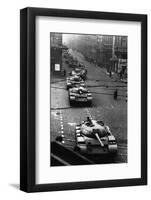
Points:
[(94, 137)]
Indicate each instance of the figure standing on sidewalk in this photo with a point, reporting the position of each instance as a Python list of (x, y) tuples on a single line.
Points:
[(64, 72), (121, 74), (110, 74), (115, 94)]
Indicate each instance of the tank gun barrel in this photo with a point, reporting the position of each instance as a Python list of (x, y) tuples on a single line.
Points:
[(98, 138)]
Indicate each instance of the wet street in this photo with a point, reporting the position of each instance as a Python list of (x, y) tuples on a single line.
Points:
[(113, 112)]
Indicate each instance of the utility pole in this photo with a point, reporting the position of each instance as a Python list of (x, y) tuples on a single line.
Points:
[(97, 45), (113, 53), (113, 47), (97, 49)]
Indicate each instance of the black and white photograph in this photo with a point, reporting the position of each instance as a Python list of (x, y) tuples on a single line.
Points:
[(83, 99), (88, 98)]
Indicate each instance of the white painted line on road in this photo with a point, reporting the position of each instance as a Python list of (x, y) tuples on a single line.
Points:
[(61, 125), (88, 112)]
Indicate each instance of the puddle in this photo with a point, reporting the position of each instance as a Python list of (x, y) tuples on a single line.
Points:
[(55, 113)]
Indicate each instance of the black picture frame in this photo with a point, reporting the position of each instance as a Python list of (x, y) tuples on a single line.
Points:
[(28, 98)]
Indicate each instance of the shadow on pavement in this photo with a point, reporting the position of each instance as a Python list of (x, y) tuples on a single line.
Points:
[(15, 185)]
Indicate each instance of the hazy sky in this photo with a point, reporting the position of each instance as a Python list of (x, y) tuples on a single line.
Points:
[(68, 37)]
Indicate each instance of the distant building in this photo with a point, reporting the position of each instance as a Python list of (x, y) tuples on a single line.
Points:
[(121, 53), (113, 49), (121, 47), (103, 50), (56, 52), (56, 39)]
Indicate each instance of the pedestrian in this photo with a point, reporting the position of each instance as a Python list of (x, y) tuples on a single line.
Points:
[(64, 72), (115, 94), (110, 74), (121, 74)]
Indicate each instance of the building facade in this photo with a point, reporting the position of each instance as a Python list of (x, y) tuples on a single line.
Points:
[(106, 51), (56, 52), (111, 49)]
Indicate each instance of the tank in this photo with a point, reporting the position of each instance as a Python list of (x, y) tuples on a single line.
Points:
[(73, 81), (94, 137), (79, 72), (80, 95)]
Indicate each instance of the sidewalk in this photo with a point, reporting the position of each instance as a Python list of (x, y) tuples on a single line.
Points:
[(114, 76)]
